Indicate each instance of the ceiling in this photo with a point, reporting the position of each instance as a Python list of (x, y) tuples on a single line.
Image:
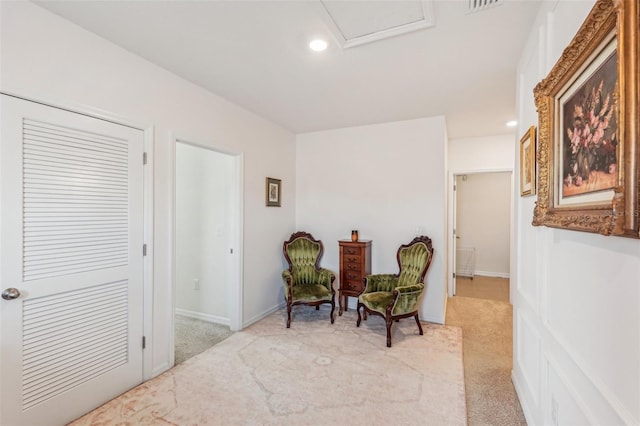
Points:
[(255, 54)]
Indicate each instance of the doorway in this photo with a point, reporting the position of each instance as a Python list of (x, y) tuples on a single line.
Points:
[(481, 224), (483, 210), (207, 223)]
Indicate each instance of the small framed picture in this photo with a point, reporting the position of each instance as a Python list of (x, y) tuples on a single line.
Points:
[(528, 162), (274, 192)]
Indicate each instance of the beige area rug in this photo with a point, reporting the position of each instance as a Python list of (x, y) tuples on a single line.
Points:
[(314, 373), (488, 344)]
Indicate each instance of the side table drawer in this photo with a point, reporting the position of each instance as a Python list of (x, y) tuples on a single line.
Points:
[(352, 250), (351, 259), (354, 275), (353, 285), (352, 267)]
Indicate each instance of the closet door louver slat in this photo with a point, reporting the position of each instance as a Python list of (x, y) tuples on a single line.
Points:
[(72, 339), (75, 201)]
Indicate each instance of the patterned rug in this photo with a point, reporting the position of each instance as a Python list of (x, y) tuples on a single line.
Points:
[(314, 373)]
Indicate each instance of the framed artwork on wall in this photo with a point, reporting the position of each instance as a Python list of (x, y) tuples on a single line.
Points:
[(274, 192), (528, 162), (588, 127)]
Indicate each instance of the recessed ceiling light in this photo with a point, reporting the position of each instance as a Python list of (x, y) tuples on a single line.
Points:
[(512, 123), (318, 45)]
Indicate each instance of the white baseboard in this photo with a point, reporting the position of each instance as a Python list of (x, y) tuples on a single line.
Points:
[(159, 370), (204, 317), (263, 314), (492, 274), (432, 319), (526, 409)]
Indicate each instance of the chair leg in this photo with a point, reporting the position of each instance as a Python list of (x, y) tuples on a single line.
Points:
[(288, 316), (317, 307), (359, 317), (389, 321), (417, 317), (333, 308)]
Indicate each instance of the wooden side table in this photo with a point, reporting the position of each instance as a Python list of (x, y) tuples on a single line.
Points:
[(355, 263)]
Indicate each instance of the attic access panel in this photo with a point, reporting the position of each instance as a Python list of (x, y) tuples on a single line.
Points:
[(357, 22)]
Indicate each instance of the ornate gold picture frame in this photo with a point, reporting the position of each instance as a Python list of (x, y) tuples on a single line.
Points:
[(588, 130), (528, 162)]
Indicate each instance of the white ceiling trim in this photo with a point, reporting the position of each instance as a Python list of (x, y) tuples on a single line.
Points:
[(427, 21)]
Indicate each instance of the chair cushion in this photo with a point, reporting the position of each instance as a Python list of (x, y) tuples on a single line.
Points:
[(413, 261), (377, 300), (311, 292), (303, 254)]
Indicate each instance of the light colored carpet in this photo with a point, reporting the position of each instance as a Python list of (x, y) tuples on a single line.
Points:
[(481, 287), (194, 336), (488, 337), (314, 373)]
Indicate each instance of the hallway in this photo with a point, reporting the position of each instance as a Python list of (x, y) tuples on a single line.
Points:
[(483, 311)]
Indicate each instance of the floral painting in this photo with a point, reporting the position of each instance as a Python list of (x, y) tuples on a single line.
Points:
[(589, 162), (589, 129)]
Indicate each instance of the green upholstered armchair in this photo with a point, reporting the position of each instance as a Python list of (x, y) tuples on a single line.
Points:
[(305, 283), (398, 296)]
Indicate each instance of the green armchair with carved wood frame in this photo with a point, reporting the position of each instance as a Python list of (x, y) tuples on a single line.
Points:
[(305, 282), (398, 296)]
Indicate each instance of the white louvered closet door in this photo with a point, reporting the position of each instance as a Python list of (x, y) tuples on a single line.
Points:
[(71, 236)]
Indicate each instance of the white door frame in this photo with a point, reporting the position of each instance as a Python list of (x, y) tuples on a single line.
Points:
[(235, 289), (451, 218)]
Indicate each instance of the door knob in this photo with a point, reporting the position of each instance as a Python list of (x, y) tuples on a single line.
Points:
[(10, 293)]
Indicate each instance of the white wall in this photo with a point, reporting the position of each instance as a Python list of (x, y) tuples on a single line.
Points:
[(204, 181), (48, 58), (483, 217), (490, 153), (577, 298), (386, 180)]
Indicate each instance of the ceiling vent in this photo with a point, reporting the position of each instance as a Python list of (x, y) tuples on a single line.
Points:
[(358, 22), (480, 5)]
